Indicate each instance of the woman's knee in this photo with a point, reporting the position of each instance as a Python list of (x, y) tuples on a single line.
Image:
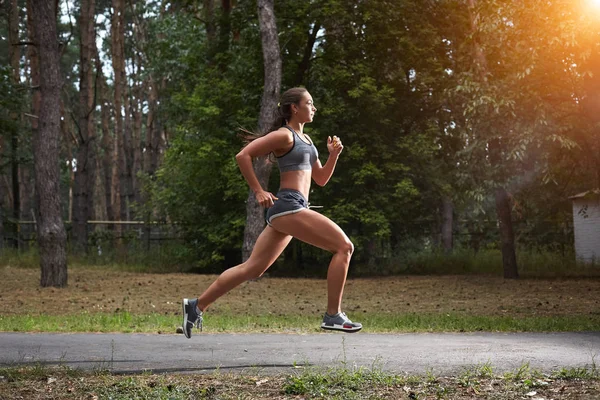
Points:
[(253, 271), (346, 248)]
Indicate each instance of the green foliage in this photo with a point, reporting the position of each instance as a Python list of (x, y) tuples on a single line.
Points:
[(421, 116), (12, 105), (202, 192), (198, 186), (337, 383), (132, 388), (375, 101)]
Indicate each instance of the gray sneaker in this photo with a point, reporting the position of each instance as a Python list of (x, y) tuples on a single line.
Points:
[(191, 317), (340, 322)]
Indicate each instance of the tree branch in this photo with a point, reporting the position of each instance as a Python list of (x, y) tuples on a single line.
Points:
[(24, 44), (95, 93), (66, 44), (78, 128)]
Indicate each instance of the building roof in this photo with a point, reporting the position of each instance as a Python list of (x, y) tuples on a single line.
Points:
[(589, 193)]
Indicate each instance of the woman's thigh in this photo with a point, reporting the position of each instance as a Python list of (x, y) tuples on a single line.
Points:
[(269, 245), (313, 228)]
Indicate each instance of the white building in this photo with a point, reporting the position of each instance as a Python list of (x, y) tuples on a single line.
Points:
[(586, 225)]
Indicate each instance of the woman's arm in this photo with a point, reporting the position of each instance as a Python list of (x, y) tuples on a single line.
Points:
[(322, 173), (257, 148)]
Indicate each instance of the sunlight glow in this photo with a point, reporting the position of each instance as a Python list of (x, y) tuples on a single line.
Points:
[(594, 3)]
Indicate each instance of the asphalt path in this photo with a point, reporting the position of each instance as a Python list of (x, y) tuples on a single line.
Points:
[(439, 353)]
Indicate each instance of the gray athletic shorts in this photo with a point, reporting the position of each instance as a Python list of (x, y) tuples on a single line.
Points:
[(289, 201)]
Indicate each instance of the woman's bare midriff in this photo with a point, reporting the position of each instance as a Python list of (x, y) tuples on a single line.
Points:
[(297, 180)]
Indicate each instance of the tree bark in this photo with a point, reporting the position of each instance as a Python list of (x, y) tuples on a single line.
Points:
[(27, 190), (591, 107), (255, 221), (46, 146), (225, 26), (69, 141), (119, 159), (503, 209), (137, 111), (447, 224), (107, 140), (14, 55), (509, 258), (152, 130), (211, 27), (16, 189), (85, 161)]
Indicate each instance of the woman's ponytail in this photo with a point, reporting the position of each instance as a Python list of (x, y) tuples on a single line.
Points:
[(281, 115)]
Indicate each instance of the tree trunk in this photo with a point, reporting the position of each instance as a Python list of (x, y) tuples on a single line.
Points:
[(509, 258), (46, 148), (211, 28), (225, 26), (119, 160), (304, 65), (503, 209), (255, 220), (13, 37), (16, 189), (209, 17), (591, 106), (137, 111), (123, 111), (26, 186), (81, 195), (107, 141), (152, 132), (447, 224), (69, 140), (162, 135)]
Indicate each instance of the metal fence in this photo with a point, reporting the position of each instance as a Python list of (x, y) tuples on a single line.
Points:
[(104, 236), (101, 234)]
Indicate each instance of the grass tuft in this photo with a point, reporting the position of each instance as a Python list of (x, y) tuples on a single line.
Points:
[(341, 382), (338, 383), (126, 322)]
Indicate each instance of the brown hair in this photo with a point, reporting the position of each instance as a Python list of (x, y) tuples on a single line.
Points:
[(282, 114)]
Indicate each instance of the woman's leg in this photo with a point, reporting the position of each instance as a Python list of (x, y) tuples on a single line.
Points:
[(269, 245), (318, 230)]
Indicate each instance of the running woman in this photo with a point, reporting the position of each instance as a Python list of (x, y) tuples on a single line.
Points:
[(288, 213)]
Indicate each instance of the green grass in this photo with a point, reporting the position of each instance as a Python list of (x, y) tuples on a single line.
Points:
[(592, 372), (341, 383), (542, 264), (337, 382), (176, 258), (153, 323)]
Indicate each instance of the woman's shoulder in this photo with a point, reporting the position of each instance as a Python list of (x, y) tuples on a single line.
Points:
[(280, 137), (283, 132)]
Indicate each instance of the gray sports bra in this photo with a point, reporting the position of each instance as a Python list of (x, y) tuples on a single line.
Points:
[(300, 157)]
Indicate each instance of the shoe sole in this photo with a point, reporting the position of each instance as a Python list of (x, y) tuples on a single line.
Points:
[(184, 303), (339, 328)]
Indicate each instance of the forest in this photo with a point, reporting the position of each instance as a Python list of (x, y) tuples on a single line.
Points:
[(467, 124)]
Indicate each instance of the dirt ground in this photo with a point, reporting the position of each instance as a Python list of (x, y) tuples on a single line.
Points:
[(57, 384), (106, 290)]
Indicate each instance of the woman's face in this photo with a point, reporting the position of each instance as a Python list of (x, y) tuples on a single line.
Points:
[(305, 110)]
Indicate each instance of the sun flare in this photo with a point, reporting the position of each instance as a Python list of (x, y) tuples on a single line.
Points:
[(594, 3)]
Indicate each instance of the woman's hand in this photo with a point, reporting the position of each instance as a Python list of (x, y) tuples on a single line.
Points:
[(265, 199), (334, 145)]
